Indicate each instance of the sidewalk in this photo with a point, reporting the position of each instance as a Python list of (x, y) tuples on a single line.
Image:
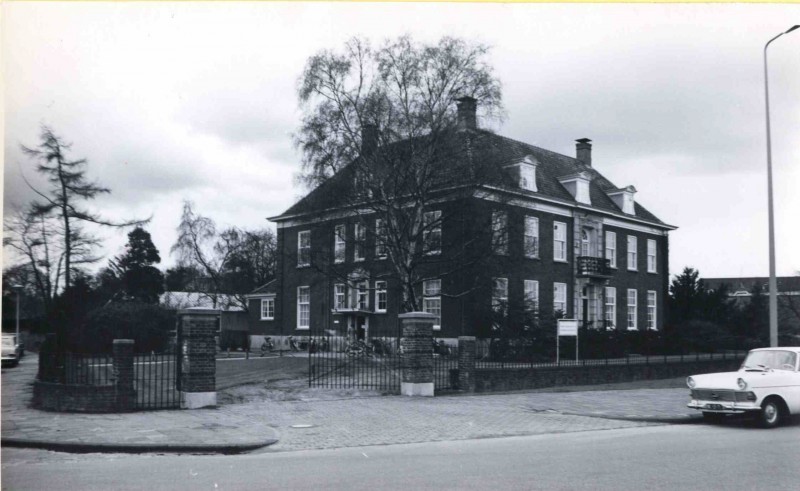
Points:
[(251, 417)]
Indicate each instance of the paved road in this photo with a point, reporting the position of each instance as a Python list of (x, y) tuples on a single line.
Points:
[(732, 456)]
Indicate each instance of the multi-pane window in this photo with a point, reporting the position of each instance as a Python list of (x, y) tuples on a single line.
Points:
[(304, 248), (632, 245), (338, 244), (531, 237), (432, 231), (651, 256), (527, 177), (362, 295), (380, 296), (559, 241), (631, 309), (380, 239), (532, 298), (500, 294), (500, 232), (360, 248), (560, 298), (651, 310), (303, 307), (339, 296), (432, 301), (611, 248), (267, 309), (585, 243), (610, 313)]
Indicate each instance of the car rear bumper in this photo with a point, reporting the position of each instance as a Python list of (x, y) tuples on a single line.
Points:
[(724, 407)]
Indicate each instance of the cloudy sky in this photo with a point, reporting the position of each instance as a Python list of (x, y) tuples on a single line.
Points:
[(197, 101)]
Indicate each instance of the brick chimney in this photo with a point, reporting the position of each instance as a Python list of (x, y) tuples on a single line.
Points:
[(369, 138), (467, 108), (583, 149)]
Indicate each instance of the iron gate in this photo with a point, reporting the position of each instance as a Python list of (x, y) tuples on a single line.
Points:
[(445, 366), (156, 376), (345, 362)]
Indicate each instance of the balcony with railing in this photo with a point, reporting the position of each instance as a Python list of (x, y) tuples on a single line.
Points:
[(594, 267)]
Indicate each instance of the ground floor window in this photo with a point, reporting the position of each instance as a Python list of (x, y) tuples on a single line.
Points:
[(560, 298), (303, 307), (611, 307), (632, 310), (651, 310), (339, 296), (432, 301), (267, 309), (380, 296)]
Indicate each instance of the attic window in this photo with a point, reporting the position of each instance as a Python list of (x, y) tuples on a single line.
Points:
[(578, 186), (523, 172), (624, 199)]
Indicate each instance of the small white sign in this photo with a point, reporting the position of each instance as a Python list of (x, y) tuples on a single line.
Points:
[(567, 327)]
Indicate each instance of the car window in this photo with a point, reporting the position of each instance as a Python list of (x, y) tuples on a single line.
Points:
[(773, 359)]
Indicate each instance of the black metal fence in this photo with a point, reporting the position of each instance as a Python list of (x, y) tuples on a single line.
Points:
[(335, 362), (155, 380), (445, 366)]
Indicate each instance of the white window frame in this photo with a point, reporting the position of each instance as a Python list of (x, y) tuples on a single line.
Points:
[(359, 242), (339, 243), (303, 306), (339, 296), (362, 295), (303, 248), (268, 309), (432, 300), (432, 234), (500, 232), (527, 177), (652, 302), (633, 250), (531, 239), (381, 296), (531, 292), (651, 256), (632, 312), (610, 309), (560, 298), (560, 242), (380, 239), (611, 248)]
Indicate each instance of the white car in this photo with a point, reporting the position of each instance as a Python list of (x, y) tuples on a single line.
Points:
[(767, 386), (12, 351)]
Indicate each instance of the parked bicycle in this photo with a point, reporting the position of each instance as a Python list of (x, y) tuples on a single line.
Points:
[(358, 348), (267, 346), (293, 344)]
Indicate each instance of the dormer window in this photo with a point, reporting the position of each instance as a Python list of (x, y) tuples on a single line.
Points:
[(624, 199), (524, 172), (578, 186)]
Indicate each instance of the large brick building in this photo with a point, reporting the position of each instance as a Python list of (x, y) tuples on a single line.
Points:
[(574, 245)]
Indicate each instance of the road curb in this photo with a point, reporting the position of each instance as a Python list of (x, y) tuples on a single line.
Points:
[(135, 448), (674, 420)]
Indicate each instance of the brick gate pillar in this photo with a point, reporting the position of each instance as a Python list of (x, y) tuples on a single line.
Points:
[(417, 354), (466, 363), (198, 358), (124, 392)]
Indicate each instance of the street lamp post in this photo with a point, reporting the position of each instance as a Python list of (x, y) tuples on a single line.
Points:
[(17, 289), (773, 284)]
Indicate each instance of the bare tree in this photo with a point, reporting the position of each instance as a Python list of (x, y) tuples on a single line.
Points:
[(381, 133), (69, 186)]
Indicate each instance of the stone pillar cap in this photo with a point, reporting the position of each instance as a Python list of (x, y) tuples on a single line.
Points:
[(123, 341), (199, 311)]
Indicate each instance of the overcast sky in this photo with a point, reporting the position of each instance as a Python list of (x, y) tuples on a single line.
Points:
[(198, 101)]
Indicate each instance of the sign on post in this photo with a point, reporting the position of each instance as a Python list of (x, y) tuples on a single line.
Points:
[(566, 327)]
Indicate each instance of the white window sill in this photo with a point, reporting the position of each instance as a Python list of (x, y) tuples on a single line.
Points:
[(437, 328), (359, 260), (303, 328), (560, 261), (380, 311), (633, 328), (653, 272), (633, 270), (268, 318), (301, 266)]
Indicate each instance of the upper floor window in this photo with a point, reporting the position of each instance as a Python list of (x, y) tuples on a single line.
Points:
[(339, 296), (527, 177), (267, 309), (632, 257), (585, 243), (360, 242), (432, 301), (432, 231), (651, 256), (338, 244), (559, 241), (531, 244), (303, 307), (651, 310), (611, 248), (380, 296), (560, 298), (380, 239), (632, 300), (499, 232), (304, 248)]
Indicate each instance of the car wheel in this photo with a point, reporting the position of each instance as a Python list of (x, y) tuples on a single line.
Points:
[(771, 413), (709, 417)]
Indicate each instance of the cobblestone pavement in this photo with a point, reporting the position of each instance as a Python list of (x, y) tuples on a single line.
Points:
[(314, 419)]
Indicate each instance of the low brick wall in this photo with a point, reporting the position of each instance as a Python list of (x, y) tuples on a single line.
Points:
[(498, 380), (75, 398)]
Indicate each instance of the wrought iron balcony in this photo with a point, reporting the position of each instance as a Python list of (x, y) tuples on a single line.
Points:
[(594, 267)]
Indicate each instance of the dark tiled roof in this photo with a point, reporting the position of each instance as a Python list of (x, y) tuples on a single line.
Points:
[(491, 152), (785, 283), (271, 287)]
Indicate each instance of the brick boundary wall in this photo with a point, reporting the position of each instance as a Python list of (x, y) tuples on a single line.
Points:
[(416, 347), (499, 380)]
